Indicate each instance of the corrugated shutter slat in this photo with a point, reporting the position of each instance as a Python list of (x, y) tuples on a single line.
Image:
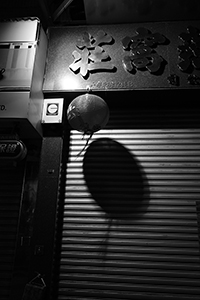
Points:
[(155, 253)]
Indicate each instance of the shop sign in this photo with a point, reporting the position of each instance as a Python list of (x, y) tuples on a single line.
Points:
[(91, 56), (12, 149), (160, 55)]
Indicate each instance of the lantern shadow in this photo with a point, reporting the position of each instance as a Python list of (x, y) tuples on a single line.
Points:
[(115, 179)]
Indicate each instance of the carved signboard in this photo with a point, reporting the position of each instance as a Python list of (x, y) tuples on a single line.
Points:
[(125, 57)]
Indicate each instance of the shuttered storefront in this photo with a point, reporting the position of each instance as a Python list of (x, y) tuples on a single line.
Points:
[(130, 224), (11, 185)]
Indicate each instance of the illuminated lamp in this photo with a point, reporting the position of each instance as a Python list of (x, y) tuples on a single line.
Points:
[(88, 113)]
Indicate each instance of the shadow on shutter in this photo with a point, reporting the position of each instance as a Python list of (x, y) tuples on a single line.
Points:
[(130, 222), (115, 180)]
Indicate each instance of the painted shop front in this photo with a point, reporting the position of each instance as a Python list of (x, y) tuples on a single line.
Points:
[(129, 196), (118, 195)]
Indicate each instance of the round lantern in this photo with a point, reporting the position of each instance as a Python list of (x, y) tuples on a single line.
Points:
[(88, 113)]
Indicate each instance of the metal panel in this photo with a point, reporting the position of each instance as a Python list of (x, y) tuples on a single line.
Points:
[(15, 31), (45, 214), (130, 228), (11, 185), (21, 82), (21, 108), (102, 63)]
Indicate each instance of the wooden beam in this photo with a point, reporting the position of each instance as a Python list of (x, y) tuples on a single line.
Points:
[(61, 8)]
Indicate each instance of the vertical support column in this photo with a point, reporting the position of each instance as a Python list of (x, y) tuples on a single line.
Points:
[(42, 243)]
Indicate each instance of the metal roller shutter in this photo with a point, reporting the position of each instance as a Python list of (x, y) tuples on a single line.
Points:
[(11, 185), (130, 226)]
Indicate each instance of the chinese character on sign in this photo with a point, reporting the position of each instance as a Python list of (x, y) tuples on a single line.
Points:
[(142, 54), (91, 55), (189, 52)]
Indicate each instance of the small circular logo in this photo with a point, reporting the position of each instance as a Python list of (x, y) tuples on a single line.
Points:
[(52, 109)]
